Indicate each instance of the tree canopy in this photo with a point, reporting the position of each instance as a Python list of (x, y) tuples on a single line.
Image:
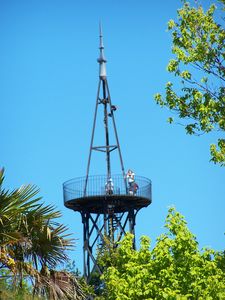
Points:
[(32, 247), (174, 269), (198, 45)]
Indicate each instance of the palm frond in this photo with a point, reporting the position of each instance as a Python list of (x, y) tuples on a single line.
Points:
[(32, 239)]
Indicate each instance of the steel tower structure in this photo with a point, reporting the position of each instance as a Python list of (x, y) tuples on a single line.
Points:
[(108, 204)]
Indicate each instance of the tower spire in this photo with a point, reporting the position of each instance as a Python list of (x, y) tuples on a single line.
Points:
[(101, 60)]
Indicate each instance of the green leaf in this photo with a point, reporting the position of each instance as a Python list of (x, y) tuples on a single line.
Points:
[(170, 120)]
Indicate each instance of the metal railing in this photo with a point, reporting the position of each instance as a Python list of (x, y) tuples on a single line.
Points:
[(97, 186)]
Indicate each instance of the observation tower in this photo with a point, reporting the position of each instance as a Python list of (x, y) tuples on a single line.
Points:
[(108, 203)]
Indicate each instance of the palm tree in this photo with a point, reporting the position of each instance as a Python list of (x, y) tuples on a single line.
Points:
[(33, 243)]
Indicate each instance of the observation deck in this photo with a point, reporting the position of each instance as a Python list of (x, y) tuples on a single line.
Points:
[(97, 198)]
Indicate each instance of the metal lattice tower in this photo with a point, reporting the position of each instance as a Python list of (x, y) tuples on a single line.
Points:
[(108, 203)]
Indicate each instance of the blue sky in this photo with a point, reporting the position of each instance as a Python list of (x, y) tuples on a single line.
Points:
[(48, 85)]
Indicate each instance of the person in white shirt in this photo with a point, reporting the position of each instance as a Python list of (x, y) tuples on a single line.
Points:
[(133, 187), (109, 186)]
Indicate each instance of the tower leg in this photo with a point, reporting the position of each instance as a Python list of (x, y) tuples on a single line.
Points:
[(131, 217), (84, 245), (113, 225)]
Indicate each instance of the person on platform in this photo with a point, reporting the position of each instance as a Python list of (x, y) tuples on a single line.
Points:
[(132, 185), (109, 187)]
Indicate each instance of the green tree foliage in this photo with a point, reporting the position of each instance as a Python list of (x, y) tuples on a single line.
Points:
[(174, 269), (32, 245), (198, 45), (8, 291)]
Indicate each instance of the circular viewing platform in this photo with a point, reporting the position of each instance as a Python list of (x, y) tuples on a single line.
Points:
[(98, 196)]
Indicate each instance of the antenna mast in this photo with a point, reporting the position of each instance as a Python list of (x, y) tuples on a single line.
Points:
[(109, 109)]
